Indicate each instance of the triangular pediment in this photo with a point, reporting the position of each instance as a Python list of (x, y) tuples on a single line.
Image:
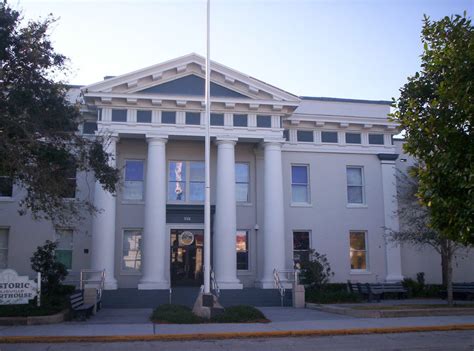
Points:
[(191, 85)]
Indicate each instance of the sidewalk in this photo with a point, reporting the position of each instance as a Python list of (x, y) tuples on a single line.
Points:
[(134, 322)]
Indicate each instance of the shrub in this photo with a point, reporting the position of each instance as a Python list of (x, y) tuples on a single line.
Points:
[(240, 314), (330, 296), (316, 271), (52, 271), (177, 314)]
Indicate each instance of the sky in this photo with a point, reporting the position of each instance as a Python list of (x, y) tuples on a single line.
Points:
[(361, 49)]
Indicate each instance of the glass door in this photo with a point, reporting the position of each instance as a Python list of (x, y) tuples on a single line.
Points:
[(187, 254)]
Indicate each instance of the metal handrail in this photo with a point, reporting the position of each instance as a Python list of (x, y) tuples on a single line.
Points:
[(84, 280), (278, 285)]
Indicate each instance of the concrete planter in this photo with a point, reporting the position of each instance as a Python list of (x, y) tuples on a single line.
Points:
[(36, 320)]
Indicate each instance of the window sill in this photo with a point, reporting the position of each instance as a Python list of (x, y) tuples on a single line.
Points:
[(131, 274), (301, 205), (244, 272), (132, 202), (6, 199), (360, 272), (357, 206), (245, 204)]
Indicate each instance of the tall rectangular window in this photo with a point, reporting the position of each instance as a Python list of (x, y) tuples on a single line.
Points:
[(89, 127), (353, 138), (177, 181), (300, 184), (358, 250), (168, 117), (217, 119), (286, 134), (196, 181), (301, 247), (119, 115), (376, 139), (306, 136), (242, 180), (329, 137), (240, 120), (64, 239), (132, 251), (134, 180), (193, 118), (264, 121), (355, 185), (242, 248), (4, 248), (6, 186), (143, 116)]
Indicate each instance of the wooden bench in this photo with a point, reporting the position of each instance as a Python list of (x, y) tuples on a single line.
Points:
[(365, 290), (78, 308), (390, 288), (461, 291)]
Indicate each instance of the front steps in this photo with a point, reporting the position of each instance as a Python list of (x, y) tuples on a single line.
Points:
[(134, 298)]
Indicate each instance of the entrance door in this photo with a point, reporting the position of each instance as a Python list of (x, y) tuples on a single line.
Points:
[(187, 254)]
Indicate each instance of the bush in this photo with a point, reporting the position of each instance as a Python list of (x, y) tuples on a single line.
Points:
[(52, 271), (331, 296), (316, 271), (240, 314), (176, 314)]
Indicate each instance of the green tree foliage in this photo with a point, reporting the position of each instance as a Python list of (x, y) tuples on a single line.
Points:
[(436, 111), (39, 143), (316, 271), (52, 271)]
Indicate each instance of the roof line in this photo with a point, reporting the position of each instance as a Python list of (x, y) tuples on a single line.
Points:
[(359, 101)]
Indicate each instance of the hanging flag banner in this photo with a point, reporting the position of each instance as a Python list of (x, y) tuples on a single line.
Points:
[(15, 289)]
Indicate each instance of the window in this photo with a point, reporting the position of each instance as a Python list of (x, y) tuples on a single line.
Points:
[(64, 249), (329, 137), (358, 251), (69, 192), (242, 248), (193, 118), (376, 139), (168, 117), (305, 136), (186, 181), (264, 121), (134, 176), (119, 115), (217, 119), (196, 181), (4, 248), (300, 247), (240, 120), (353, 138), (299, 184), (132, 251), (355, 185), (6, 186), (286, 134), (242, 182), (143, 116), (89, 127)]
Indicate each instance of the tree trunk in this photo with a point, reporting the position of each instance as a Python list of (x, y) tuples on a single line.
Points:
[(449, 274), (444, 269)]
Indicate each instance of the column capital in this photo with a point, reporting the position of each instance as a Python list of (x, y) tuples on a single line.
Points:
[(156, 139), (226, 141), (272, 143)]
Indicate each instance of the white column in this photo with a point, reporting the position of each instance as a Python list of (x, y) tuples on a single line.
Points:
[(390, 205), (155, 249), (273, 219), (103, 226), (225, 227)]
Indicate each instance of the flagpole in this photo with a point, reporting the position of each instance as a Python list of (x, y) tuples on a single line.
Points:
[(207, 152)]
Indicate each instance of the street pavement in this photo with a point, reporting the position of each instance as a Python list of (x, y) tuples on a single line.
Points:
[(433, 341)]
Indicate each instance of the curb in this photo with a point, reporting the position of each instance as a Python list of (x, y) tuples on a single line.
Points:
[(223, 336)]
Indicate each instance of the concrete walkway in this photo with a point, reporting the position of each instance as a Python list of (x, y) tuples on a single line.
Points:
[(109, 322)]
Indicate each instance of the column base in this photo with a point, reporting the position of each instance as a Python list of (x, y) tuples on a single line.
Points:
[(163, 285), (110, 285), (394, 278), (230, 285)]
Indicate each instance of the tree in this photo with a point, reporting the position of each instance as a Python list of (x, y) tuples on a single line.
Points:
[(415, 228), (316, 270), (52, 271), (436, 111), (39, 142)]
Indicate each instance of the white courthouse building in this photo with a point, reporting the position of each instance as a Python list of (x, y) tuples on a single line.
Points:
[(288, 173)]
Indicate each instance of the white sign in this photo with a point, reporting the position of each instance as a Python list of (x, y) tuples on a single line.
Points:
[(15, 289)]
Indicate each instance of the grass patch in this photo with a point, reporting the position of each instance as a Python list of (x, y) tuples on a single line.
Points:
[(178, 314), (410, 307)]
